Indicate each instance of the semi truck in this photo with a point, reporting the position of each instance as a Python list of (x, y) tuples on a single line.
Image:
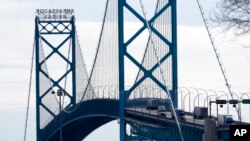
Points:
[(152, 104), (200, 112)]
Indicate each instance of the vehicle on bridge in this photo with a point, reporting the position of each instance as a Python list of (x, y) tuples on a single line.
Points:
[(200, 112), (179, 113), (152, 104), (224, 120), (161, 111)]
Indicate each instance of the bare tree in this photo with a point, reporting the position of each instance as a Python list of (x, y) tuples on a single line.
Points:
[(235, 15)]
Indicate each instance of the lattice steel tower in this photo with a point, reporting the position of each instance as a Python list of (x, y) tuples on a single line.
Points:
[(169, 41), (46, 33)]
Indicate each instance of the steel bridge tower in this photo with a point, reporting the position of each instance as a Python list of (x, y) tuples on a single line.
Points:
[(123, 93), (45, 99)]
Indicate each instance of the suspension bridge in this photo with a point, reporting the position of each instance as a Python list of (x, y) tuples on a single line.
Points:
[(71, 103)]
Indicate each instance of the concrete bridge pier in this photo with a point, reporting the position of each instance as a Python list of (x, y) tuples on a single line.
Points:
[(210, 133)]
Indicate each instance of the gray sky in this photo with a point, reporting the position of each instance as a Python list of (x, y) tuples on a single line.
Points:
[(197, 64)]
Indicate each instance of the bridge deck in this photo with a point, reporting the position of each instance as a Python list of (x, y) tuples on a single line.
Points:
[(152, 114), (132, 113)]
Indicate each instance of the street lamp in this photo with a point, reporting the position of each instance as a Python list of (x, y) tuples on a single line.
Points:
[(198, 99), (239, 111), (206, 99), (189, 93), (189, 98), (206, 94), (198, 96), (181, 96), (146, 89), (214, 92)]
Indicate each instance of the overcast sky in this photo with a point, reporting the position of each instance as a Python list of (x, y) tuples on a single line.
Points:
[(197, 63)]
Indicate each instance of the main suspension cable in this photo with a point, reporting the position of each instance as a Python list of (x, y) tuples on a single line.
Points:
[(217, 55), (97, 50), (94, 63), (29, 92)]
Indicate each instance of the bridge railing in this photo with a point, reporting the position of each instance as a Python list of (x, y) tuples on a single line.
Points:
[(188, 99), (196, 97), (112, 92)]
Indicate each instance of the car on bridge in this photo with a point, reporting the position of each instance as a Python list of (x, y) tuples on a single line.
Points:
[(161, 111), (179, 113)]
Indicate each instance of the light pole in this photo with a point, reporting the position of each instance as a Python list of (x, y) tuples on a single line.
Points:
[(214, 92), (96, 91), (146, 89), (103, 91), (117, 92), (110, 91), (198, 99), (206, 94), (188, 97), (216, 99), (181, 97), (189, 101), (196, 96), (206, 99), (153, 91), (239, 116)]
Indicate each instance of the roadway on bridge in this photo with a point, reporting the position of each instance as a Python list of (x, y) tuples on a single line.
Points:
[(188, 118)]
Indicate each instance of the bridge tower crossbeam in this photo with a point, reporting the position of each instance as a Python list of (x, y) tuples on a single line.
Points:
[(123, 93)]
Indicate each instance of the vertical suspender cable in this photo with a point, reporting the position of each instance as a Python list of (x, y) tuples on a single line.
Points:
[(159, 64), (146, 49), (66, 77), (98, 49), (217, 55), (29, 91)]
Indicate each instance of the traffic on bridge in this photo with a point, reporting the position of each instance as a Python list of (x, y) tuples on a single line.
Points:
[(132, 80)]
